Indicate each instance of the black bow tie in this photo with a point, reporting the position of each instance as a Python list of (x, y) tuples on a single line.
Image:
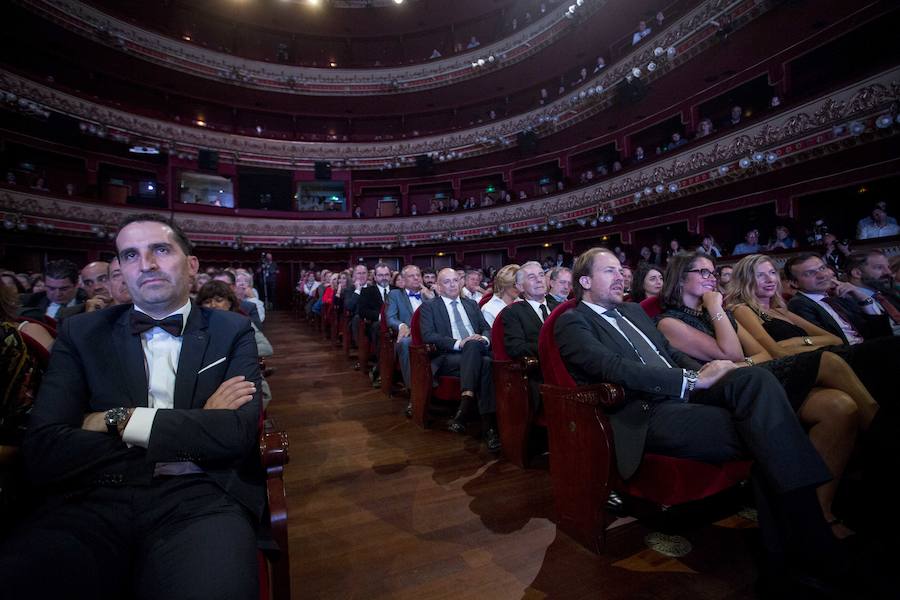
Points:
[(141, 322)]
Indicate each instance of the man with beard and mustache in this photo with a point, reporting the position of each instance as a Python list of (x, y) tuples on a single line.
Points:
[(871, 272), (95, 283)]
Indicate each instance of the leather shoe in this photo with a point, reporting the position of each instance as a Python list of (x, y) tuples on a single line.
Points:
[(408, 410), (458, 423), (492, 440)]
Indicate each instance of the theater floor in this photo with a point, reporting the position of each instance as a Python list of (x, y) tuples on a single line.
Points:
[(382, 509)]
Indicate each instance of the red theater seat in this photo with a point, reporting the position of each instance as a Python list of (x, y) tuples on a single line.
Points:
[(652, 306), (485, 299), (515, 415), (423, 388), (578, 428)]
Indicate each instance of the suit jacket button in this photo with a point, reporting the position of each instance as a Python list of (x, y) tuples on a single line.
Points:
[(645, 405), (657, 389)]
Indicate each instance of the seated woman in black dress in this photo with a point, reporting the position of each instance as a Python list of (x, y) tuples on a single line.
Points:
[(755, 298), (695, 322)]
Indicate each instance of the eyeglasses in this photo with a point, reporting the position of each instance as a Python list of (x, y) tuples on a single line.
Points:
[(704, 273)]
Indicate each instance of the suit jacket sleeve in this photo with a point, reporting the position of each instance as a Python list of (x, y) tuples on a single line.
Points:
[(56, 448), (594, 361), (807, 309), (369, 306), (392, 312), (429, 329), (213, 435), (516, 338), (351, 300)]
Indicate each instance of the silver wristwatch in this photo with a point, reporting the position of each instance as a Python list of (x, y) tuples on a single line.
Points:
[(692, 377), (115, 417)]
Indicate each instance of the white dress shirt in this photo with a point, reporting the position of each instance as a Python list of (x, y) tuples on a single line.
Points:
[(537, 308), (849, 332), (161, 353), (602, 312), (476, 295), (491, 309), (465, 317), (53, 307)]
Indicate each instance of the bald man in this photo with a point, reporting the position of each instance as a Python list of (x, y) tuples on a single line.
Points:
[(95, 283), (458, 330)]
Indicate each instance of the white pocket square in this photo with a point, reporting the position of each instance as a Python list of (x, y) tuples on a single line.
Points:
[(211, 365)]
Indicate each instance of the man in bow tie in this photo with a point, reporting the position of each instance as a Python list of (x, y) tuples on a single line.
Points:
[(143, 440), (402, 303)]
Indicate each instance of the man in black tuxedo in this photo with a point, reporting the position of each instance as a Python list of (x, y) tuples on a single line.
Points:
[(716, 413), (144, 440), (522, 320), (371, 298), (462, 336), (61, 281), (840, 308)]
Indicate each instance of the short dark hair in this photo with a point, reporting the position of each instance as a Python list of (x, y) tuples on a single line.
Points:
[(859, 259), (62, 269), (795, 260), (180, 237), (582, 268), (382, 265), (429, 272), (227, 274), (220, 289)]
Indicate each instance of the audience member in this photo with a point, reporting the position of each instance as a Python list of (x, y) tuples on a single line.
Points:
[(871, 273), (782, 240), (60, 282), (879, 224), (642, 32), (118, 287), (473, 289), (243, 288), (750, 245), (647, 284), (246, 307), (725, 274), (628, 278), (704, 128), (708, 246), (711, 413), (735, 117), (560, 286), (402, 303), (462, 338), (522, 321), (505, 293), (145, 498), (600, 65), (95, 283), (429, 277)]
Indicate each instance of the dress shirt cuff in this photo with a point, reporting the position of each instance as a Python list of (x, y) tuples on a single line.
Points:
[(685, 395), (456, 346), (487, 341), (137, 432)]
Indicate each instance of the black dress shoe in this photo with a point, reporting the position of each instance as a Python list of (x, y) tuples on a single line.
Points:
[(408, 411), (492, 439), (458, 423)]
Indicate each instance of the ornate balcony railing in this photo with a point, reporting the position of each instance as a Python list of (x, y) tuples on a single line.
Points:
[(856, 114)]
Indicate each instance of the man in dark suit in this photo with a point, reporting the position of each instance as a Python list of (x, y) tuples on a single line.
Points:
[(61, 281), (402, 303), (95, 283), (870, 271), (715, 413), (840, 308), (522, 320), (462, 336), (144, 439), (371, 298), (560, 286)]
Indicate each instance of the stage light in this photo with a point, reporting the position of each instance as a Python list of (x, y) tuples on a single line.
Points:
[(398, 1), (745, 162), (883, 122), (723, 169), (857, 128)]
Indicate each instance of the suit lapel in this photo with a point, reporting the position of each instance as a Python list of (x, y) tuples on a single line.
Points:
[(407, 305), (443, 319), (826, 317), (193, 350), (132, 363), (608, 331)]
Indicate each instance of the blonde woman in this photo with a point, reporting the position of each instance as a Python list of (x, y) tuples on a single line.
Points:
[(505, 293)]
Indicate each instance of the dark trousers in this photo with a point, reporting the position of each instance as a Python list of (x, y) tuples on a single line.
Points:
[(472, 365), (180, 537)]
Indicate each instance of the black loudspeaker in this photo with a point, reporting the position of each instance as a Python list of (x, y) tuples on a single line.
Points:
[(323, 170), (208, 160), (528, 143), (424, 164)]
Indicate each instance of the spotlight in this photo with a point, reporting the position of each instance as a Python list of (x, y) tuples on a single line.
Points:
[(670, 51), (636, 72), (660, 188), (651, 66), (771, 158), (839, 130), (758, 157), (883, 122), (723, 169), (637, 196), (658, 51), (398, 1), (648, 190), (673, 187), (857, 128), (745, 163)]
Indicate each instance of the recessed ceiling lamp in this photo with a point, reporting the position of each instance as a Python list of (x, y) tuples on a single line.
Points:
[(398, 1), (312, 2)]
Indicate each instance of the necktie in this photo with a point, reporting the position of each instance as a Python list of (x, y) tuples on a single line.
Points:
[(460, 324), (544, 313), (887, 307), (415, 295), (141, 322), (384, 292), (643, 348), (839, 309)]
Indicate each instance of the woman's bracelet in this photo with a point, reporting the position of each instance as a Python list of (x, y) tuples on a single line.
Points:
[(718, 316)]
